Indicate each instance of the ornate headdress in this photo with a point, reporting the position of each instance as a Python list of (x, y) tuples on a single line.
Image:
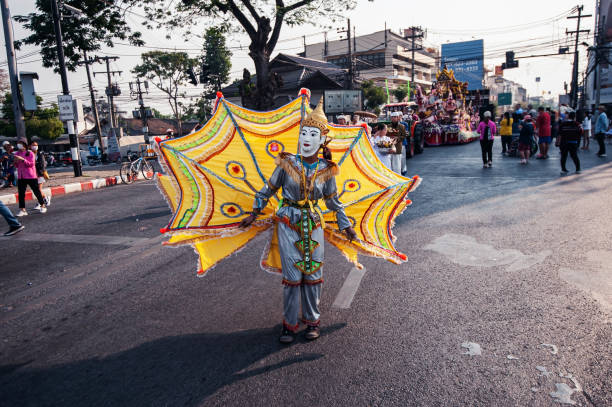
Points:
[(317, 119)]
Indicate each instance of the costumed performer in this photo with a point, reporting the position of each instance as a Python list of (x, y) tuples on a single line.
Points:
[(305, 179)]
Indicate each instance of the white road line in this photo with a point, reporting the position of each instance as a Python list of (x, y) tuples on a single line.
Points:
[(84, 239), (349, 289)]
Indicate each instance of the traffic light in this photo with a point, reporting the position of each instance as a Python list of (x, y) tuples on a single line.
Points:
[(510, 61), (192, 76)]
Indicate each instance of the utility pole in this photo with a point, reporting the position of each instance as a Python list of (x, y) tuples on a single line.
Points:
[(325, 47), (74, 140), (385, 34), (304, 40), (415, 33), (12, 68), (350, 55), (143, 110), (351, 73), (111, 90), (94, 105), (574, 85), (599, 43)]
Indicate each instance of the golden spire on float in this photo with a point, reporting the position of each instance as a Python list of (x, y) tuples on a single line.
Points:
[(317, 118)]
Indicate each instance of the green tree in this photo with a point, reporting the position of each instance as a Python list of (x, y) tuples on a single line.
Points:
[(400, 93), (373, 95), (201, 110), (216, 63), (159, 115), (261, 20), (104, 23), (168, 72), (44, 122)]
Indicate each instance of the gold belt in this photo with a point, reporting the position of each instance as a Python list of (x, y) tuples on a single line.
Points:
[(306, 204)]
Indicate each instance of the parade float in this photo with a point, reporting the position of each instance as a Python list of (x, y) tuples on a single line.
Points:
[(447, 117)]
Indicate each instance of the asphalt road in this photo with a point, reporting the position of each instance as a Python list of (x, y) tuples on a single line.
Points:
[(513, 262)]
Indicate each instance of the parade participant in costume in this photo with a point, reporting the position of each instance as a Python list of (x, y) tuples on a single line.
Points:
[(397, 131), (305, 179), (383, 145), (240, 159)]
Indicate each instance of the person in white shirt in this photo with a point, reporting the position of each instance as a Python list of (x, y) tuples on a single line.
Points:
[(383, 145), (586, 127)]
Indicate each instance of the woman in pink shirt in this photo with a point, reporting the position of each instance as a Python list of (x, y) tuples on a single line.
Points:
[(25, 161), (486, 130)]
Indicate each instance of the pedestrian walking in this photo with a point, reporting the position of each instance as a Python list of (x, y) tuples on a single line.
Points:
[(41, 172), (586, 130), (601, 127), (570, 133), (25, 161), (7, 162), (397, 132), (13, 222), (526, 138), (486, 130), (554, 126), (505, 131), (543, 127)]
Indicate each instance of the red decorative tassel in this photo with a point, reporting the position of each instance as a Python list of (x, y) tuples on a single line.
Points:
[(163, 230), (158, 140), (219, 95), (403, 256)]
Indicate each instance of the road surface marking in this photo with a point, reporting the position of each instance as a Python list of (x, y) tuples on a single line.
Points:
[(349, 289), (593, 276), (83, 239), (473, 349), (465, 250)]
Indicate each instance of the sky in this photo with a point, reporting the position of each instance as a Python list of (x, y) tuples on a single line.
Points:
[(526, 26)]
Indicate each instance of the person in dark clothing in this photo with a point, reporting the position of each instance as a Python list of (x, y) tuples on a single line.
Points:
[(570, 134), (554, 126), (7, 162), (41, 170), (525, 139)]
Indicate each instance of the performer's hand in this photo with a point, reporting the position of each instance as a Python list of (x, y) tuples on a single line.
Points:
[(350, 233), (247, 221)]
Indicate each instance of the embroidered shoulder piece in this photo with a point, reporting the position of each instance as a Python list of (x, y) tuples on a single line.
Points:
[(288, 163), (331, 170), (285, 161)]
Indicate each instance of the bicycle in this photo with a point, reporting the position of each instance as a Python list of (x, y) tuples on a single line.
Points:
[(129, 169)]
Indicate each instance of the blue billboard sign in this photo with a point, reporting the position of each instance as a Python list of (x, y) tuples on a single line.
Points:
[(466, 59)]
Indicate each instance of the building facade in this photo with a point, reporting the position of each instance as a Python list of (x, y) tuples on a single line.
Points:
[(379, 56), (499, 84)]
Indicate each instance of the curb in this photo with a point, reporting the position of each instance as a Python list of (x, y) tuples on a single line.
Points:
[(67, 189)]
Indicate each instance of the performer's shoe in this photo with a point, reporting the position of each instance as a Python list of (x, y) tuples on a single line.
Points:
[(312, 333), (286, 336)]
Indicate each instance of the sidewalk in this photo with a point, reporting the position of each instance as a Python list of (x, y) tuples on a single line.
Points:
[(62, 181)]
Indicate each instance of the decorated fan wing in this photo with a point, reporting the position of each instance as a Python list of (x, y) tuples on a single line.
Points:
[(372, 194), (215, 172)]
